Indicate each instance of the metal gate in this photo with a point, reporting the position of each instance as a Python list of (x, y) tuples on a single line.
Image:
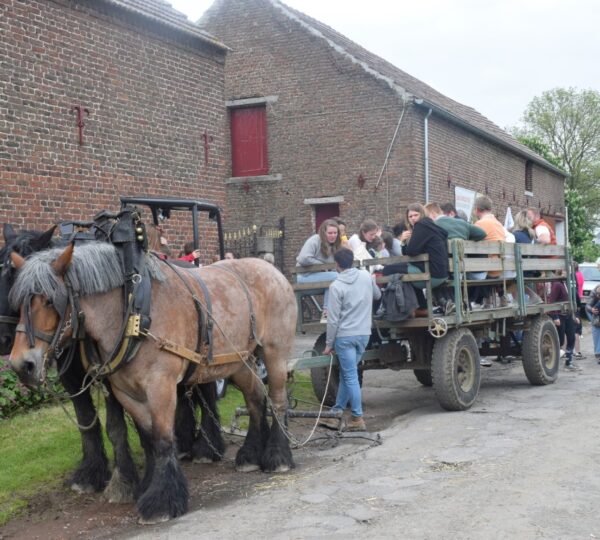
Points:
[(256, 241)]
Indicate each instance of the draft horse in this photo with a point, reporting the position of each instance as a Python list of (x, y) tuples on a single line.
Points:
[(248, 303), (93, 473)]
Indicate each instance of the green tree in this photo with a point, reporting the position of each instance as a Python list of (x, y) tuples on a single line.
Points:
[(567, 121), (581, 236), (534, 143)]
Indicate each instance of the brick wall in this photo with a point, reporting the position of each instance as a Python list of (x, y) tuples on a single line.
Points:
[(151, 94), (471, 162), (333, 122)]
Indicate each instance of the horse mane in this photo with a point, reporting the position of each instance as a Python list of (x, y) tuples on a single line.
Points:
[(95, 268), (23, 244)]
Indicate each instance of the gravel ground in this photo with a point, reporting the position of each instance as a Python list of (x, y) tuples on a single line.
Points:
[(521, 463)]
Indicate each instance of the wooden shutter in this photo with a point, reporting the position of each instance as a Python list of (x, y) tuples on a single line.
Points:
[(249, 141)]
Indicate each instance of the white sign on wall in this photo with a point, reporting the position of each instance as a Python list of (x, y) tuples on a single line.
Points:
[(464, 199)]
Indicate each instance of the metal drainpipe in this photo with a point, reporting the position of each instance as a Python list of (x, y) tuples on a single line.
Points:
[(426, 150)]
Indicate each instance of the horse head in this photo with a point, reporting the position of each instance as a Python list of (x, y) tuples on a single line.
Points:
[(24, 243), (41, 317)]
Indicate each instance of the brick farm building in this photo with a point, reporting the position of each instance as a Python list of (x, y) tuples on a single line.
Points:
[(319, 126), (150, 85)]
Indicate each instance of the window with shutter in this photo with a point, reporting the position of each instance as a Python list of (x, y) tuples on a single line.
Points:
[(249, 141), (529, 177)]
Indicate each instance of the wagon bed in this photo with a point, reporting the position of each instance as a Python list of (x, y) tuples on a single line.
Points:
[(444, 350)]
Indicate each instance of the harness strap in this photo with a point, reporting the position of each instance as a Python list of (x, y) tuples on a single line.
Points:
[(248, 298), (40, 335), (9, 320), (205, 322), (196, 358)]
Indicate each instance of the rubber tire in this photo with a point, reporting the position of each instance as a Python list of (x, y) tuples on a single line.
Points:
[(538, 372), (447, 367), (423, 376), (318, 377)]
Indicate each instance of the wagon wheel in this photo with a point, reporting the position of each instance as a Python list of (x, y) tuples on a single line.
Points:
[(456, 370), (438, 327), (541, 351)]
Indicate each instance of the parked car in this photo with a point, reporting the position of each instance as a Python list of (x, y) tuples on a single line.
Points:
[(591, 275)]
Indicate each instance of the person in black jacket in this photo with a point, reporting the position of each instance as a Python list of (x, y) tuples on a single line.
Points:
[(425, 238)]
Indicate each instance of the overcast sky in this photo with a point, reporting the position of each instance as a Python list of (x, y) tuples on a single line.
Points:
[(493, 55)]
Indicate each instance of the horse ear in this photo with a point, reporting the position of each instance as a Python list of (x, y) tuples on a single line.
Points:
[(9, 233), (17, 260), (43, 241), (61, 264)]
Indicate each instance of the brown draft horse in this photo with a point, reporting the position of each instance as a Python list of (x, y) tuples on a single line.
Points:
[(147, 385)]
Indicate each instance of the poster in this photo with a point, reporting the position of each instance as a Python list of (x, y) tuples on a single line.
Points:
[(464, 199)]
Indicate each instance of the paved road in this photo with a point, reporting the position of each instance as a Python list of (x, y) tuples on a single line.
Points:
[(522, 463)]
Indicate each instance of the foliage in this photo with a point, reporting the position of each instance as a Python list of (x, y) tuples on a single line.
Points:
[(581, 235), (15, 396), (563, 126), (567, 121), (534, 143)]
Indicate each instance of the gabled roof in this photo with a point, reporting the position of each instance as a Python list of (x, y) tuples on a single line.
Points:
[(163, 13), (408, 86)]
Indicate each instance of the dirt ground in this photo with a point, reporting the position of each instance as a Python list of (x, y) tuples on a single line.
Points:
[(521, 463)]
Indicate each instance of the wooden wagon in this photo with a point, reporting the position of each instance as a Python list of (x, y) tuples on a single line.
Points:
[(444, 350)]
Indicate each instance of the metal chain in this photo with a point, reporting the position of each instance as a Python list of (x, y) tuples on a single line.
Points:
[(188, 395), (59, 350), (74, 421)]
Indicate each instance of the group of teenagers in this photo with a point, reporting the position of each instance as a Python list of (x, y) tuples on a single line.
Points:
[(348, 301)]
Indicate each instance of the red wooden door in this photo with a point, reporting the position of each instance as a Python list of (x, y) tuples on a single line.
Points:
[(325, 211), (249, 141)]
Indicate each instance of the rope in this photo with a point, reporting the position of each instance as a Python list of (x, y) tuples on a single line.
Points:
[(298, 444)]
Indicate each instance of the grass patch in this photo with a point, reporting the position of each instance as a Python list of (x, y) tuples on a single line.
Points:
[(40, 448)]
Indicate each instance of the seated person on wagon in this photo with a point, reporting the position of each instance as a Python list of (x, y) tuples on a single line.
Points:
[(319, 249), (425, 238), (361, 242), (456, 228)]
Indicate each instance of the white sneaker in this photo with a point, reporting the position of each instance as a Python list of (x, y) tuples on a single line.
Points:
[(485, 362), (562, 353)]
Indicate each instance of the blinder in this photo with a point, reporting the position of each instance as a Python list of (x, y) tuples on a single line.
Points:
[(63, 299)]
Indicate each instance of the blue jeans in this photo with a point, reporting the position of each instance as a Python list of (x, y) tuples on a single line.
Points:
[(349, 351), (596, 338), (318, 276)]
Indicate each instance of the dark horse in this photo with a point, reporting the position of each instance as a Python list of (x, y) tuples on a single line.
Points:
[(248, 301), (93, 473)]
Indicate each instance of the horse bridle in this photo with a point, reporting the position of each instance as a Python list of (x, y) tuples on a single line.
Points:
[(7, 319), (64, 298)]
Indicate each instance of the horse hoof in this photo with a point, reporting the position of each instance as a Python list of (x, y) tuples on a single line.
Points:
[(248, 467), (282, 469), (153, 520), (119, 491), (202, 460), (82, 489)]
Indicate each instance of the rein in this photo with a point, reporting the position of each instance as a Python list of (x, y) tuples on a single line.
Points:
[(9, 320)]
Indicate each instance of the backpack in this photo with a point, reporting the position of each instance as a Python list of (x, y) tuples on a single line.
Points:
[(398, 300)]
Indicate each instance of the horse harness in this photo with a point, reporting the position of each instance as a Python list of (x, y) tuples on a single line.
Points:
[(128, 235), (203, 354)]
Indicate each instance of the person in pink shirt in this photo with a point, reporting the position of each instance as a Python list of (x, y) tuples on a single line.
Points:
[(579, 327)]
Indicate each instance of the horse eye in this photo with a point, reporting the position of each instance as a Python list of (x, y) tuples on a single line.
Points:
[(47, 302)]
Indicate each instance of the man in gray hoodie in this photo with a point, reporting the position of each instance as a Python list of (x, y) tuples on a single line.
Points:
[(351, 298)]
